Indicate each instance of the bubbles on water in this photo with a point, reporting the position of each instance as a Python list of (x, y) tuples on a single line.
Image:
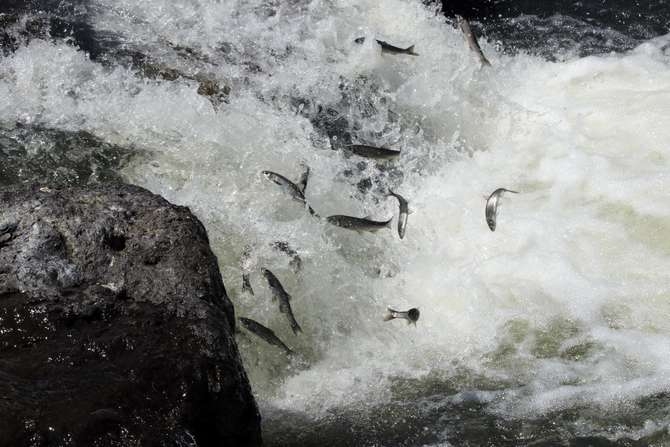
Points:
[(563, 306)]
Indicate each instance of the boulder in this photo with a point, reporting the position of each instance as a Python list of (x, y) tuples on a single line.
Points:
[(115, 326)]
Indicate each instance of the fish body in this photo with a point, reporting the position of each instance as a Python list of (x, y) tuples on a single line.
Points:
[(357, 223), (245, 264), (279, 294), (392, 49), (403, 214), (264, 333), (296, 191), (411, 315), (302, 183), (246, 284), (380, 153), (284, 247), (388, 48), (472, 39), (286, 185), (492, 206)]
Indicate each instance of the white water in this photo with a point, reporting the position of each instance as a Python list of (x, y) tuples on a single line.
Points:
[(567, 303)]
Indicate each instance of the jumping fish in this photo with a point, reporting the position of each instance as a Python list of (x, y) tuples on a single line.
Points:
[(411, 315), (403, 215), (245, 262), (492, 206), (472, 39), (388, 48), (284, 247), (380, 153), (297, 192), (264, 333), (278, 293), (357, 223)]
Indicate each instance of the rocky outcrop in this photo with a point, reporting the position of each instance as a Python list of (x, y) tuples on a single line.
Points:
[(115, 327)]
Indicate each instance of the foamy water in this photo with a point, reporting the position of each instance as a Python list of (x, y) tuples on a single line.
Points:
[(565, 305)]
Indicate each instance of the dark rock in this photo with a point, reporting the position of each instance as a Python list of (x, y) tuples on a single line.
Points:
[(115, 326)]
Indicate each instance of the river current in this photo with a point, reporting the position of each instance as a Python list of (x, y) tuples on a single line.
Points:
[(552, 330)]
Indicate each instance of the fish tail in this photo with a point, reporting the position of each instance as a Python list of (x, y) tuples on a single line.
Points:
[(295, 326), (388, 316), (410, 50), (509, 190), (312, 212)]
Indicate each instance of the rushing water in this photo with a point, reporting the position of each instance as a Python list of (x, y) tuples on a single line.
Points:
[(553, 329)]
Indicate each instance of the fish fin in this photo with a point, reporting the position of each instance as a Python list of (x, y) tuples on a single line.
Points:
[(295, 327), (410, 50)]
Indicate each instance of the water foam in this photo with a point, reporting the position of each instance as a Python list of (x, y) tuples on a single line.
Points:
[(564, 305)]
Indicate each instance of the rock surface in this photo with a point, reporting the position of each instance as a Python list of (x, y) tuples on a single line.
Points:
[(115, 326)]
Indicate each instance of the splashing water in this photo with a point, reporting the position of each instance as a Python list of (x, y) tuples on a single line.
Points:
[(562, 310)]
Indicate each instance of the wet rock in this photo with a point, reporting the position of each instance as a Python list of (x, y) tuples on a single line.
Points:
[(32, 154), (115, 326)]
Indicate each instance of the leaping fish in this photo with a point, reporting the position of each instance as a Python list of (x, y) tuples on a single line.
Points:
[(357, 223), (391, 49), (297, 192), (380, 153), (403, 215), (245, 264), (411, 315), (472, 39), (278, 293), (264, 333), (492, 206)]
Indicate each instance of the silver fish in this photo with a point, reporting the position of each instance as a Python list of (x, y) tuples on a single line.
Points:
[(380, 153), (411, 315), (278, 293), (392, 49), (297, 192), (245, 262), (492, 206), (472, 39), (284, 247), (357, 223), (288, 186), (264, 333), (403, 215)]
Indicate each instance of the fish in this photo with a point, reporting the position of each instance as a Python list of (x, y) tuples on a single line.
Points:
[(403, 215), (284, 247), (391, 49), (297, 192), (279, 294), (411, 315), (246, 284), (264, 333), (245, 262), (302, 183), (492, 206), (472, 39), (287, 185), (388, 48), (380, 153), (357, 223)]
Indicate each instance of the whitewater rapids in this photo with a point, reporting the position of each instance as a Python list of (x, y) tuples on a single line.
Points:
[(566, 305)]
